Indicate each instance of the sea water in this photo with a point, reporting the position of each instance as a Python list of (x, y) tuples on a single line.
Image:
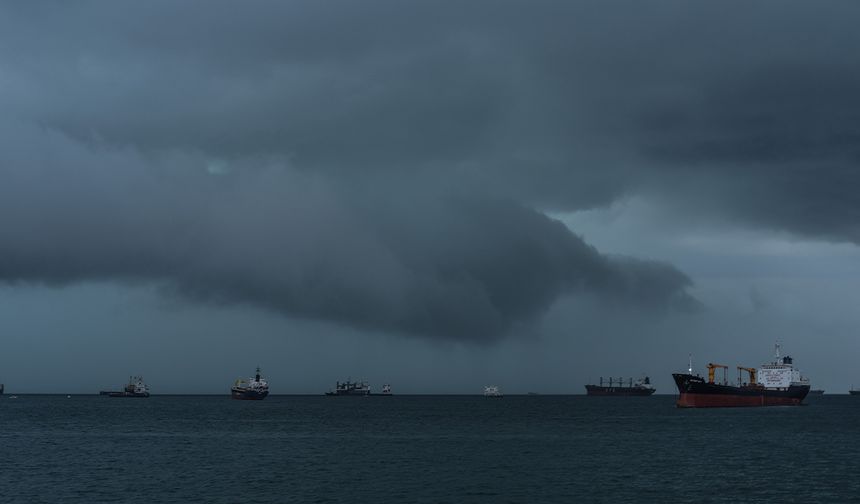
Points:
[(401, 449)]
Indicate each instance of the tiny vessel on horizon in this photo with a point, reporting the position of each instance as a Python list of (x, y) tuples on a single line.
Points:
[(135, 388), (349, 388), (386, 390), (492, 391), (255, 389), (642, 387), (853, 391), (777, 383)]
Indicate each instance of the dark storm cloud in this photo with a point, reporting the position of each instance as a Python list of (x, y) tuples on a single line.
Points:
[(559, 105), (387, 163), (287, 241), (779, 147)]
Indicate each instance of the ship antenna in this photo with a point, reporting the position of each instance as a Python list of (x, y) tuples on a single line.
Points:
[(690, 368)]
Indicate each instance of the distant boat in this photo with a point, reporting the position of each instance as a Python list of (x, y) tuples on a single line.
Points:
[(1, 389), (135, 388), (492, 391), (349, 388), (255, 389), (853, 391), (641, 387), (386, 390)]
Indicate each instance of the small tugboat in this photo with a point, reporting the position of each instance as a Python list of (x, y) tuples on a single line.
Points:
[(135, 388), (255, 389), (386, 390), (853, 391), (492, 391), (349, 388)]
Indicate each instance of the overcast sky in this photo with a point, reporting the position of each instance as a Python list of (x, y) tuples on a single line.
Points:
[(436, 196)]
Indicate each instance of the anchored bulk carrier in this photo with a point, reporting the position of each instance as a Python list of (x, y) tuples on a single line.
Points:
[(641, 387), (777, 383), (255, 389)]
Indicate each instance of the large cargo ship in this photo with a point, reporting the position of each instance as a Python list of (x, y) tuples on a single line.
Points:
[(777, 383), (255, 389), (350, 388), (619, 387), (135, 388)]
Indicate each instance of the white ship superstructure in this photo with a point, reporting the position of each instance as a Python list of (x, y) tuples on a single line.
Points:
[(780, 374), (139, 386)]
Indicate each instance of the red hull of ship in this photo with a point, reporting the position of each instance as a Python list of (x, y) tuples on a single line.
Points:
[(688, 400), (695, 392)]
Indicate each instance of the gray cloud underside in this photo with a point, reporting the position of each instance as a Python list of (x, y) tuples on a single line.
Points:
[(269, 236)]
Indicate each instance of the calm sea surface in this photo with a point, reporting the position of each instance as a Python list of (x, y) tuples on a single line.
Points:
[(424, 449)]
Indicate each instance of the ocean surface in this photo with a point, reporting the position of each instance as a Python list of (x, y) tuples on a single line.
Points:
[(435, 449)]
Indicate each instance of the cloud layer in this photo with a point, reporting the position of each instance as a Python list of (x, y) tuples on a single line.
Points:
[(388, 166), (264, 234)]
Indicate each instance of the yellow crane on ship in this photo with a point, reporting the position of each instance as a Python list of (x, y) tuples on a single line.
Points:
[(711, 369), (752, 372)]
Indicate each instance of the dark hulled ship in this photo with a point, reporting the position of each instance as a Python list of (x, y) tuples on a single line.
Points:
[(641, 387), (135, 388), (777, 383), (255, 389), (349, 388)]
